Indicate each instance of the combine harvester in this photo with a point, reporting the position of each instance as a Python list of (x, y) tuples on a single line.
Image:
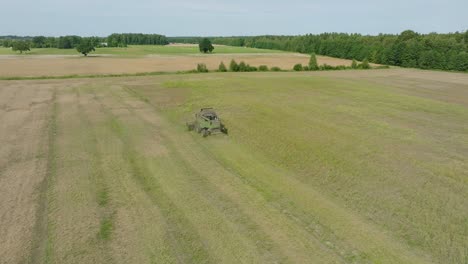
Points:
[(207, 123)]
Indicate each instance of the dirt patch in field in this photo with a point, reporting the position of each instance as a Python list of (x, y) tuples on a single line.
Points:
[(70, 65)]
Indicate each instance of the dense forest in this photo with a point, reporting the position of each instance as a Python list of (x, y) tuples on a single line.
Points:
[(190, 40), (408, 49), (71, 42)]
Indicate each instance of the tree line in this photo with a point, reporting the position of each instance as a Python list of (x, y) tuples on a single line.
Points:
[(63, 42), (72, 42), (311, 66), (407, 49), (122, 40)]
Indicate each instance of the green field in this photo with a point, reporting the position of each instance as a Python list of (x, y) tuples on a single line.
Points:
[(326, 167), (141, 50)]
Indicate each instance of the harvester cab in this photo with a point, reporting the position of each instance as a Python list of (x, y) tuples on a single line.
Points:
[(207, 123)]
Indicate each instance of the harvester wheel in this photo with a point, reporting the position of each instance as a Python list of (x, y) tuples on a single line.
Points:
[(190, 126), (206, 132)]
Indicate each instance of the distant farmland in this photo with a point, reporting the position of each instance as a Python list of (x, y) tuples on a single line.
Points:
[(143, 50), (139, 59), (319, 167)]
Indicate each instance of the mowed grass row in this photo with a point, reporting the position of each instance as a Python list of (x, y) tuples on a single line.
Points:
[(140, 50), (398, 161)]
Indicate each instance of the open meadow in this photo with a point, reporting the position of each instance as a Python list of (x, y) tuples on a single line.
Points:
[(140, 59), (319, 167)]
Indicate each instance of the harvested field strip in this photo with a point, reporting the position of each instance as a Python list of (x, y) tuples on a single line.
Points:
[(50, 181), (41, 251), (120, 172), (23, 168), (97, 178), (75, 186), (185, 241), (188, 243)]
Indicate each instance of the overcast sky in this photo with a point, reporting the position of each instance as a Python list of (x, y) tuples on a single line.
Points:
[(227, 18)]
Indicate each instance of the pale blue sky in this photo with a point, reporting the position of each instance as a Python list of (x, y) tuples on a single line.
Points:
[(226, 18)]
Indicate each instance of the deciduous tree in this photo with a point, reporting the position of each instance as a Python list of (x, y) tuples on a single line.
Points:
[(243, 67), (233, 66), (222, 67), (313, 65), (21, 45), (298, 67), (85, 47), (39, 41), (205, 46), (201, 67), (365, 64)]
